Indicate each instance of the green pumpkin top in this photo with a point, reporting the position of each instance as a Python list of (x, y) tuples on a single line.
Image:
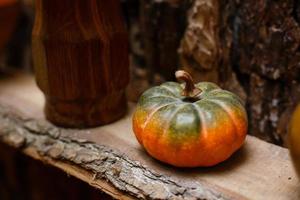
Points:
[(188, 93)]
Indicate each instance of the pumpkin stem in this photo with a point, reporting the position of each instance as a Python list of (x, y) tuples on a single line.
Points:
[(189, 90)]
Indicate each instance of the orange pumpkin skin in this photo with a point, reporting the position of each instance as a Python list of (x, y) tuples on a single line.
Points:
[(294, 139), (190, 134)]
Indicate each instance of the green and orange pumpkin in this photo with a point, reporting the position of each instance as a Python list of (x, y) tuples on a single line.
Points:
[(189, 125)]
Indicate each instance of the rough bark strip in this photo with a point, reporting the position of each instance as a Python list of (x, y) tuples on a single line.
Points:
[(125, 174), (20, 178)]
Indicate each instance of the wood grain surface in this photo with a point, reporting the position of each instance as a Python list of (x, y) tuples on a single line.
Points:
[(258, 171), (81, 60)]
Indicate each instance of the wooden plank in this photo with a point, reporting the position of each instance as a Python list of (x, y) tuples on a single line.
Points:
[(21, 179), (80, 174), (258, 171)]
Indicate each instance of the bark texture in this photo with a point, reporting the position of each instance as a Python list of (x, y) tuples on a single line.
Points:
[(268, 51), (251, 48), (205, 49), (155, 38), (105, 163), (162, 24), (21, 180)]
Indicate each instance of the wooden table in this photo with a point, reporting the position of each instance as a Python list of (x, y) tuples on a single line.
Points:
[(110, 159)]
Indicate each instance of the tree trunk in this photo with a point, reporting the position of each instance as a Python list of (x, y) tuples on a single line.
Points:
[(155, 38), (251, 48)]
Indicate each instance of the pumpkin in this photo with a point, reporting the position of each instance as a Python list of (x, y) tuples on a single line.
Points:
[(188, 125), (294, 138)]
